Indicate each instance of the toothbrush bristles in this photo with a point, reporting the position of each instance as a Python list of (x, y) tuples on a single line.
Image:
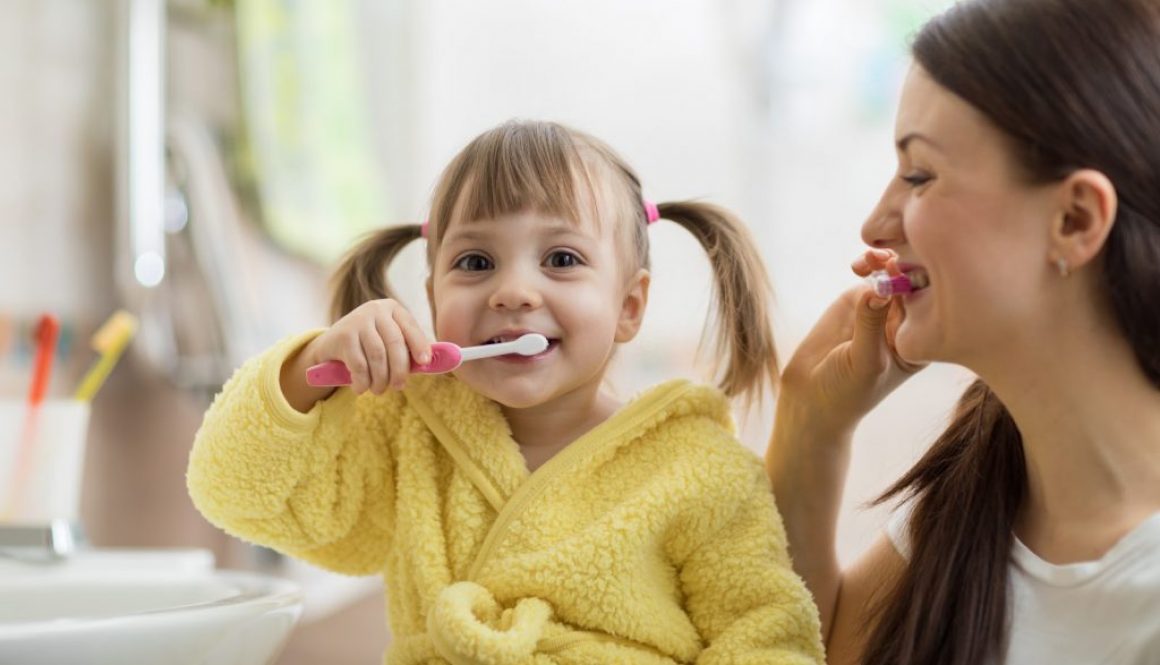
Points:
[(531, 344), (886, 285)]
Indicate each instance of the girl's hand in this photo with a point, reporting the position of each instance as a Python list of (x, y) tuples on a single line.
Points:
[(847, 363), (376, 341)]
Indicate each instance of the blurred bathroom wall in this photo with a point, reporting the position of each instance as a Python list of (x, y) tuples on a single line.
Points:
[(58, 74), (55, 195), (780, 110)]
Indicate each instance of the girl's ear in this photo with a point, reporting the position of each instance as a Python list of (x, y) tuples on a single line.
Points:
[(633, 306), (1088, 212)]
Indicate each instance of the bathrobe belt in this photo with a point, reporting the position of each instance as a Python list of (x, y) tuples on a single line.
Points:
[(468, 626)]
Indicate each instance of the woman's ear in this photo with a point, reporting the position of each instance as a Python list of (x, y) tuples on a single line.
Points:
[(1088, 214), (633, 306)]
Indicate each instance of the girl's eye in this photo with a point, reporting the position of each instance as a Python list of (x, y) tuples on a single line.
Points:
[(473, 263), (916, 179), (561, 259)]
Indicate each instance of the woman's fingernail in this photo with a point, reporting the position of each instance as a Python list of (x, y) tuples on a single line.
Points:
[(878, 303), (424, 358)]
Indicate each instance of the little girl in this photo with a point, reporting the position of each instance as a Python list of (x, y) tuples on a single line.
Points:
[(517, 512)]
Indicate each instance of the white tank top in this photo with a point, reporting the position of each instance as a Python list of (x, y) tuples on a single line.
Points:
[(1104, 612)]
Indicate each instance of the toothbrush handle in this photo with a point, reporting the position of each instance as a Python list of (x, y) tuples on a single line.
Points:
[(445, 357), (47, 332)]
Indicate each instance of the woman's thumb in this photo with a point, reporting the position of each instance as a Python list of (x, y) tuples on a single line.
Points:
[(869, 342)]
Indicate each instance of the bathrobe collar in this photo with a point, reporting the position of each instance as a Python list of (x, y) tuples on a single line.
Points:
[(475, 433)]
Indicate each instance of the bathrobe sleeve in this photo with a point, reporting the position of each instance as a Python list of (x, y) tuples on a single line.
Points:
[(317, 486), (740, 588)]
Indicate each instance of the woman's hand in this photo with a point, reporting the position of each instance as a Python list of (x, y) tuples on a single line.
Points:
[(845, 366), (376, 341), (848, 363)]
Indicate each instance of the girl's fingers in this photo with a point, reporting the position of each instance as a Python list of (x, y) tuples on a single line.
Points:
[(398, 357), (375, 353), (417, 342), (376, 341), (356, 362)]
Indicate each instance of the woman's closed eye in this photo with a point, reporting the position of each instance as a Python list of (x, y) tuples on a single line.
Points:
[(916, 179), (472, 263)]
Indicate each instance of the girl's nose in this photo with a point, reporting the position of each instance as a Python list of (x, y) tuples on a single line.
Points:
[(515, 291), (883, 228)]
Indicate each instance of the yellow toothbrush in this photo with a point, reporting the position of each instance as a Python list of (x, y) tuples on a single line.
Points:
[(110, 341)]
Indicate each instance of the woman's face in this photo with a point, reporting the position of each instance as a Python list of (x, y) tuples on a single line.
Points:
[(960, 210)]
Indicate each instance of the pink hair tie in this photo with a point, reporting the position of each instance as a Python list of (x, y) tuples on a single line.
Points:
[(650, 211), (423, 228)]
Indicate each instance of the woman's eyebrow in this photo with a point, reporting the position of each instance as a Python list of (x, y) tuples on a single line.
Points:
[(903, 142)]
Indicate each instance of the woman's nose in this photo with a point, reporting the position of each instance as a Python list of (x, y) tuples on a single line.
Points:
[(883, 228), (515, 290)]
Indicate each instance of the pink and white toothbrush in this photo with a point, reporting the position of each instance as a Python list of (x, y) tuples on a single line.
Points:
[(886, 285), (445, 357)]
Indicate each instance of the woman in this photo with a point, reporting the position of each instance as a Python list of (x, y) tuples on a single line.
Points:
[(1027, 198)]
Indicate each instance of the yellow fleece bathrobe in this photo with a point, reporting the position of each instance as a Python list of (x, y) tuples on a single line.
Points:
[(653, 538)]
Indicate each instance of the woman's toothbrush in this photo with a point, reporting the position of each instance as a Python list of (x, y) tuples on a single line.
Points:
[(445, 357), (886, 285)]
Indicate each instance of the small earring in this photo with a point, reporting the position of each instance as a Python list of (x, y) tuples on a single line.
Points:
[(1062, 267)]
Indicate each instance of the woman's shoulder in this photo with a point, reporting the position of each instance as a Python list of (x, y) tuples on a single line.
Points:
[(1129, 562), (1105, 610)]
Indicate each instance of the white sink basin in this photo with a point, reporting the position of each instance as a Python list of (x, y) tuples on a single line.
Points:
[(125, 608)]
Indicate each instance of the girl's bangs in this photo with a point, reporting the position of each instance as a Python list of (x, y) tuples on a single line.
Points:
[(525, 169)]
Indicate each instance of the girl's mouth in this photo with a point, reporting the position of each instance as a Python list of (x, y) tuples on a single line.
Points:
[(553, 342), (517, 358)]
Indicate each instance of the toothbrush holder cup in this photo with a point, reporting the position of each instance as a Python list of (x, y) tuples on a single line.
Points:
[(42, 460)]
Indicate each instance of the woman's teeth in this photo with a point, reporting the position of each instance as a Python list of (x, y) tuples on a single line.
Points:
[(918, 278)]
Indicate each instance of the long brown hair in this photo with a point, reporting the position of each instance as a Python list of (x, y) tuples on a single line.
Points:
[(552, 169), (1073, 84)]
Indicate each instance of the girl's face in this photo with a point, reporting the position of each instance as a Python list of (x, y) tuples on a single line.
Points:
[(496, 279), (960, 210)]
